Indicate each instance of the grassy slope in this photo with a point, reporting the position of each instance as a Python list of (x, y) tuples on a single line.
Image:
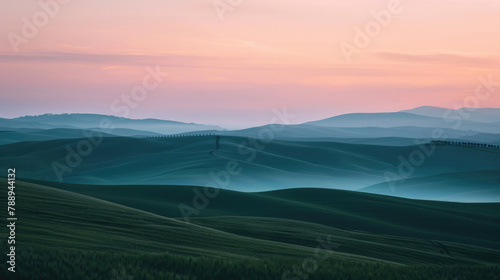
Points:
[(402, 250), (189, 160), (64, 235), (477, 224), (57, 218)]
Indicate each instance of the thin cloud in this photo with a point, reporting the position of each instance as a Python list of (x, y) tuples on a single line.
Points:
[(460, 59), (171, 60), (114, 59)]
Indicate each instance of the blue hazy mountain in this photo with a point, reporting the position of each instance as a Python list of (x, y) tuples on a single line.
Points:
[(486, 115), (397, 136), (8, 135), (96, 122), (398, 119)]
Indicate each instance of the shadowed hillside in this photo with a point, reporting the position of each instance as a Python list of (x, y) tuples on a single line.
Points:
[(101, 239), (470, 223), (258, 166)]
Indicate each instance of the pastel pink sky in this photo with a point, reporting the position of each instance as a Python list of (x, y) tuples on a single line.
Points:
[(262, 55)]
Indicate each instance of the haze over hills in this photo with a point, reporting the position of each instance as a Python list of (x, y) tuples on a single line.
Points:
[(171, 197), (399, 119), (478, 186), (20, 135), (279, 164), (250, 140), (371, 151), (418, 123), (96, 122), (370, 135), (486, 115), (352, 151)]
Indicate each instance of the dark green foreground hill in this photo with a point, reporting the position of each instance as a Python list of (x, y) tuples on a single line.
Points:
[(469, 223), (65, 235)]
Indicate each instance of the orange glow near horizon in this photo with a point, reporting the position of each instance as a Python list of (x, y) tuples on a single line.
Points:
[(261, 55)]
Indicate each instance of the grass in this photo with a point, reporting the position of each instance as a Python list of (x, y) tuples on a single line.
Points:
[(65, 235), (469, 223)]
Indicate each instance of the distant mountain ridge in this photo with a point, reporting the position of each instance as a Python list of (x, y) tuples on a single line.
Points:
[(485, 115), (403, 119), (96, 121)]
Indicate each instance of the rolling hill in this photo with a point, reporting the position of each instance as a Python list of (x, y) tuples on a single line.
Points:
[(467, 223), (257, 166), (68, 235)]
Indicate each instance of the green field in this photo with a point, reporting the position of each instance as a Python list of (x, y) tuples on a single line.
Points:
[(116, 232), (138, 208), (263, 167)]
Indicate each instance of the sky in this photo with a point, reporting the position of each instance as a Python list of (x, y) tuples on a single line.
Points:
[(234, 62)]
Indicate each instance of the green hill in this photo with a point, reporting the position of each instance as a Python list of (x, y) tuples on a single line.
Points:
[(64, 235), (469, 223), (261, 166)]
